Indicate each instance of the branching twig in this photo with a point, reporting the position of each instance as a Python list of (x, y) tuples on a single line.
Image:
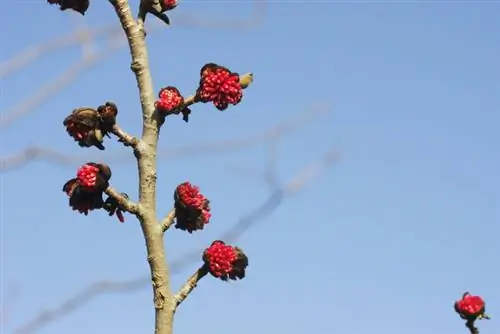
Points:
[(265, 209), (190, 284), (35, 153), (124, 137), (124, 202), (168, 221)]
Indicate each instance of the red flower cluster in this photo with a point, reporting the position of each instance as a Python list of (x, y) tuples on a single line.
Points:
[(470, 307), (79, 6), (192, 210), (85, 191), (168, 5), (88, 126), (224, 261), (170, 101), (219, 86)]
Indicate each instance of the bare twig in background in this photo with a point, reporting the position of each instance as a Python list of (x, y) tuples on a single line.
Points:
[(8, 304), (51, 156), (264, 210), (85, 37)]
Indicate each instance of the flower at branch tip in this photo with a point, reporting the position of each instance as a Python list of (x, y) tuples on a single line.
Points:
[(85, 191), (169, 100), (224, 261), (192, 210), (112, 206), (219, 86), (107, 113), (167, 5), (79, 6), (84, 125), (471, 308), (88, 126)]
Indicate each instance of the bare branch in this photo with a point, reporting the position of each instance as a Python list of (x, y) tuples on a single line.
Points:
[(264, 210), (190, 284), (146, 153), (124, 137), (168, 221), (35, 153), (124, 202)]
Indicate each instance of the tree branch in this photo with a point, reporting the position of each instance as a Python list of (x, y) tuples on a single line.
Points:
[(146, 152), (168, 221), (275, 132), (190, 284), (124, 137), (249, 220), (124, 202)]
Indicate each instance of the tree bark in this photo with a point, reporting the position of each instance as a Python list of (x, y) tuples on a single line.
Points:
[(145, 153)]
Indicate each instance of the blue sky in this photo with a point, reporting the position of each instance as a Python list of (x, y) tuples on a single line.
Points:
[(383, 242)]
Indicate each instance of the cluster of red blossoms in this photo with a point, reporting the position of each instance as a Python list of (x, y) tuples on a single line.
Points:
[(170, 101), (224, 261), (471, 308), (86, 190), (88, 126), (219, 86), (79, 6), (192, 210)]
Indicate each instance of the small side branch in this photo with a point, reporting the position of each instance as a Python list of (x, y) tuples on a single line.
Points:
[(123, 201), (190, 284), (168, 221), (124, 137)]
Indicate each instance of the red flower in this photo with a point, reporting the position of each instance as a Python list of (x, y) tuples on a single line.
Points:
[(470, 307), (219, 86), (85, 191), (192, 210), (169, 100), (224, 261), (168, 4), (79, 6), (94, 177)]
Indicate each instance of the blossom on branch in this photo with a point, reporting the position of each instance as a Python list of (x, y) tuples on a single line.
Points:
[(79, 6), (192, 210), (167, 5), (88, 126), (219, 86), (471, 308), (85, 191), (224, 261), (170, 101)]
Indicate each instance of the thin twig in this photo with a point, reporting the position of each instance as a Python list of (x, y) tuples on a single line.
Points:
[(190, 284), (168, 221), (124, 202), (279, 130), (257, 215), (124, 137)]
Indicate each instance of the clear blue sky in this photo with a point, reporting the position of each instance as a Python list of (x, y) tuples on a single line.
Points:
[(384, 242)]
